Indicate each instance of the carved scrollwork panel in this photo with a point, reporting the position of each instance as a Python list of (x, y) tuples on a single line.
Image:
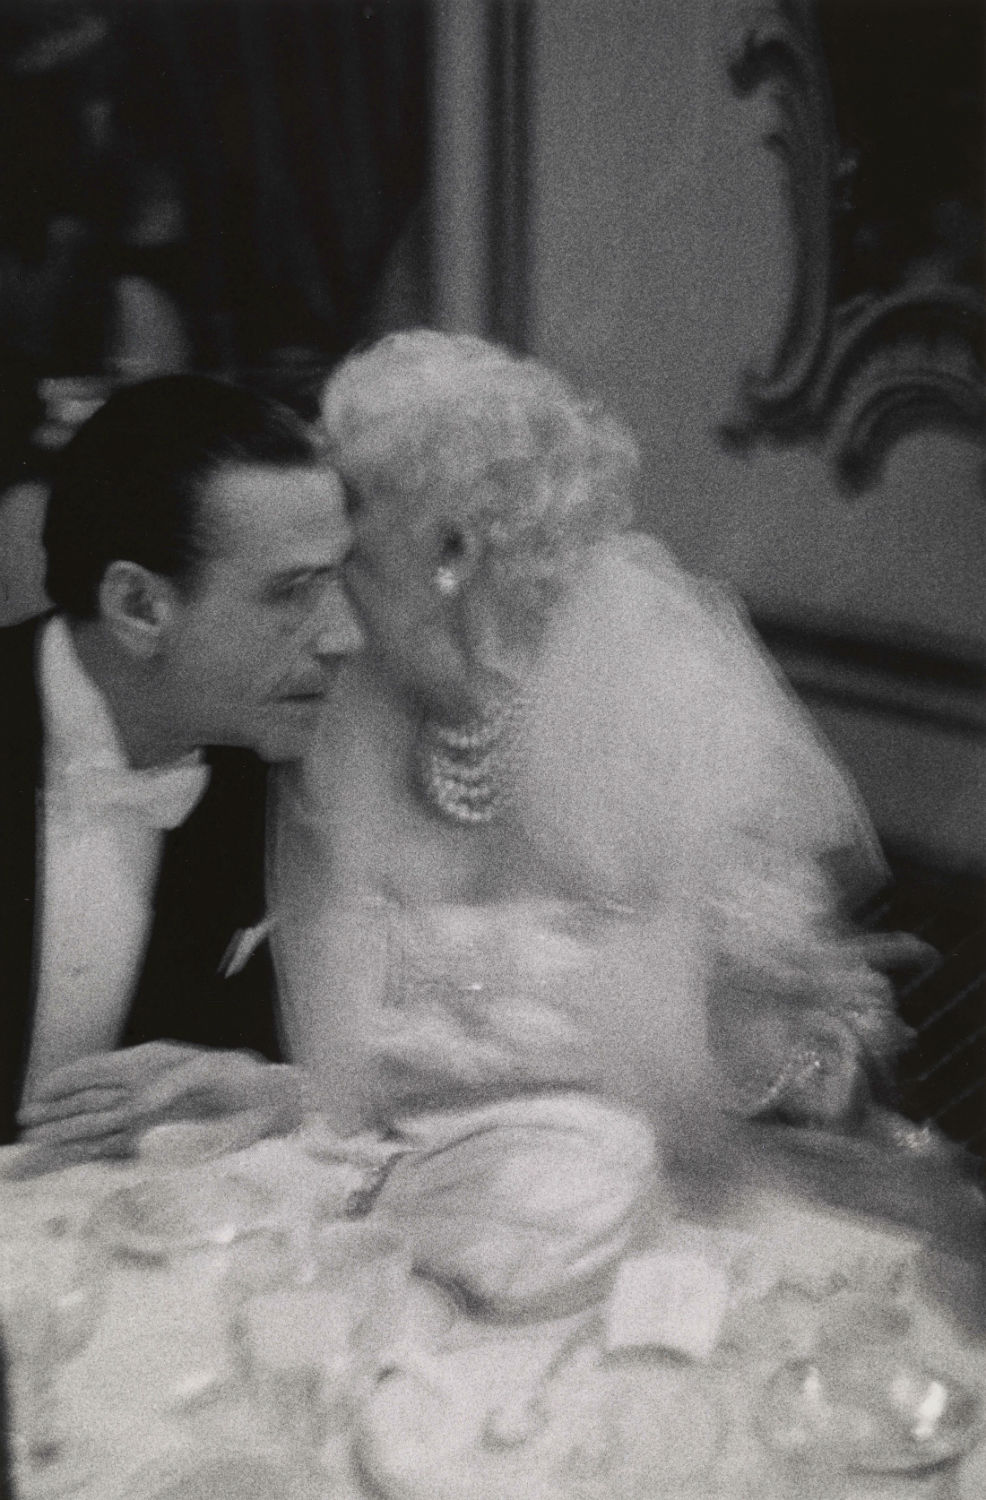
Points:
[(878, 341)]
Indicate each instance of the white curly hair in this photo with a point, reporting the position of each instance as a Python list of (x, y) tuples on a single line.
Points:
[(533, 468)]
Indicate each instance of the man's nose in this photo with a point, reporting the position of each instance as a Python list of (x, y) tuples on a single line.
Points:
[(338, 631)]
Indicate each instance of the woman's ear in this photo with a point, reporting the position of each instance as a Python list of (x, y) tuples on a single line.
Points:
[(137, 606), (458, 556)]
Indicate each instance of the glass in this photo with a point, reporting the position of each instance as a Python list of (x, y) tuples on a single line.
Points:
[(188, 1224), (866, 1417), (52, 1284), (171, 1213), (312, 1347)]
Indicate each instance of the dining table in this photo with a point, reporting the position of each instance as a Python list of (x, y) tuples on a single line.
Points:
[(225, 1319)]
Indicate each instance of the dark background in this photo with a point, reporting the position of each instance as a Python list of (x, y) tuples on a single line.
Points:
[(255, 169), (907, 86), (254, 161)]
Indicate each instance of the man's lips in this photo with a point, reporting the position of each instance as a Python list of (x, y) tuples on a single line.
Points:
[(304, 695), (312, 689)]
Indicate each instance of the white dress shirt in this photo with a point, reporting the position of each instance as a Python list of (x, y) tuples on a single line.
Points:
[(101, 837)]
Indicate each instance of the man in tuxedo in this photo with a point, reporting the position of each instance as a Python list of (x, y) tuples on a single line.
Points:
[(194, 541)]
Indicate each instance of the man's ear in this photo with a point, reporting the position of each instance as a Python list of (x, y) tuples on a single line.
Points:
[(137, 606)]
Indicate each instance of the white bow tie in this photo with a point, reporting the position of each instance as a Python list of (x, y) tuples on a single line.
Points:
[(159, 797)]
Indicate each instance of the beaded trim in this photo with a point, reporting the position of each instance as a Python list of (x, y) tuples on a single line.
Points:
[(361, 1200), (797, 1083), (466, 771)]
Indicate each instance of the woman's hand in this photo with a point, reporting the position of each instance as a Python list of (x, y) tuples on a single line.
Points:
[(478, 1051)]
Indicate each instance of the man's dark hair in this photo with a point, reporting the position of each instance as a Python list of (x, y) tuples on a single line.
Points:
[(21, 411), (127, 485)]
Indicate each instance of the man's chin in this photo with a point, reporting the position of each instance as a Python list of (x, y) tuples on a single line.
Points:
[(292, 735)]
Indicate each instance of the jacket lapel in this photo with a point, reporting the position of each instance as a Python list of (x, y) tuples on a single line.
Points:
[(210, 891), (20, 779)]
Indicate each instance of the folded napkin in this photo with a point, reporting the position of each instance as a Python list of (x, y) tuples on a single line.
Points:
[(525, 1205)]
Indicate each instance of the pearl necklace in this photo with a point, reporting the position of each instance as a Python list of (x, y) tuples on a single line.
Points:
[(466, 770)]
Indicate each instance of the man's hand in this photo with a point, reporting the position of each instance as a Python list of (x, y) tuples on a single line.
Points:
[(92, 1107), (99, 1106), (214, 1084)]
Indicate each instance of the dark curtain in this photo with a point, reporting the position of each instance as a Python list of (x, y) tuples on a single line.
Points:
[(907, 85), (277, 147), (298, 131)]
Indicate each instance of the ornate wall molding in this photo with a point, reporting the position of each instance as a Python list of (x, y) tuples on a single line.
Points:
[(511, 25), (858, 373), (480, 147), (940, 684)]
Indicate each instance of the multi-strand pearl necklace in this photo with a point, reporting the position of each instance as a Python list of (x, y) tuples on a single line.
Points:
[(467, 770)]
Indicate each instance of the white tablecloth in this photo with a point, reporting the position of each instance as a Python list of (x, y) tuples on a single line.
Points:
[(160, 1378)]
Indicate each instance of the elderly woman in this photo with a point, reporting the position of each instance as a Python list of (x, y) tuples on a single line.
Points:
[(582, 830), (567, 838)]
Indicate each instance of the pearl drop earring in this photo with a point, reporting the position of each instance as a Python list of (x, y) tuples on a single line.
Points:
[(447, 582)]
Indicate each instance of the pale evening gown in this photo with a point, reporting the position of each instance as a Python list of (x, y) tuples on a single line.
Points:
[(670, 804)]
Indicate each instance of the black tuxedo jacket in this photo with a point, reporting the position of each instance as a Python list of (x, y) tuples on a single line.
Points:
[(210, 887)]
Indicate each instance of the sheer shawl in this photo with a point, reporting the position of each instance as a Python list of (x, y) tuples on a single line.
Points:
[(666, 771), (664, 747), (669, 767)]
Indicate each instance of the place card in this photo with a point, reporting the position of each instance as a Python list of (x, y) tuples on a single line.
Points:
[(669, 1300)]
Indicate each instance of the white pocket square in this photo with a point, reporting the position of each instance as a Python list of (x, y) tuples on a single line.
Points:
[(242, 946)]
